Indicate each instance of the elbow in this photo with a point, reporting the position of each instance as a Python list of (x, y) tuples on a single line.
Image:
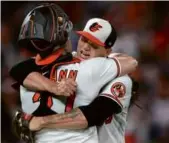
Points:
[(84, 124), (30, 79), (82, 118)]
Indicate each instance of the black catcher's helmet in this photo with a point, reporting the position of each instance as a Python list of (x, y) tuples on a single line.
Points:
[(43, 30)]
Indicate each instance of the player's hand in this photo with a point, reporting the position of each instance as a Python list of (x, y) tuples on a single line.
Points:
[(35, 124), (66, 87)]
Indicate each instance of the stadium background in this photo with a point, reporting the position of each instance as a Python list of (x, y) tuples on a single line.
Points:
[(143, 32)]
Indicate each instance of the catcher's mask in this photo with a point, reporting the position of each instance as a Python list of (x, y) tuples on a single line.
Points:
[(45, 27)]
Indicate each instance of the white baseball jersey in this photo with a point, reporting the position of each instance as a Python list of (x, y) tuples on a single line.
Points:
[(90, 76), (119, 90)]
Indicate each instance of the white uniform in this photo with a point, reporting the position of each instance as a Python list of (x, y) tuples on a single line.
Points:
[(91, 75), (113, 130)]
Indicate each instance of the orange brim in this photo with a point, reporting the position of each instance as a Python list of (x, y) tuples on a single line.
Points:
[(91, 38)]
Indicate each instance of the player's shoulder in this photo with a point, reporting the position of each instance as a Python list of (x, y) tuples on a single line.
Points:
[(93, 61), (97, 61)]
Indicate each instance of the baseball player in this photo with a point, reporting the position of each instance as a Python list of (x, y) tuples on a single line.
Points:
[(41, 135), (118, 92)]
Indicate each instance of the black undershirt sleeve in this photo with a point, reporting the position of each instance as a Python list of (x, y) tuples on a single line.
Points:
[(99, 110), (20, 71)]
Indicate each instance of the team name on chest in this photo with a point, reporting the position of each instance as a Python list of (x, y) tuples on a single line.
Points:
[(66, 73)]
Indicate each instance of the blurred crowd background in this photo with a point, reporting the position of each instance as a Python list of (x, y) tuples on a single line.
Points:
[(143, 32)]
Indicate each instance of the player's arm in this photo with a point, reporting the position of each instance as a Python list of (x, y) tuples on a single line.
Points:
[(113, 66), (36, 81), (102, 70), (78, 118), (93, 114), (73, 119), (27, 73), (21, 70), (127, 64)]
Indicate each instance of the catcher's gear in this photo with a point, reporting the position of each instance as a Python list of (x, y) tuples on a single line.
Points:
[(21, 126), (45, 27)]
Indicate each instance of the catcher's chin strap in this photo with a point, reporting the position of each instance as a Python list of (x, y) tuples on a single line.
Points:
[(21, 126)]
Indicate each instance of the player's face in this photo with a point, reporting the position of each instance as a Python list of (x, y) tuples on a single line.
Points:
[(86, 49)]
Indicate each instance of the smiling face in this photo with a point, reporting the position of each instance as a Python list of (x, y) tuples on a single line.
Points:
[(86, 49)]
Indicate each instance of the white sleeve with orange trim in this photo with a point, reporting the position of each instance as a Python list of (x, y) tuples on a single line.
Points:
[(119, 90), (101, 69)]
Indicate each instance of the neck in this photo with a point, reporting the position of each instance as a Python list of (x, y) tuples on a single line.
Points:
[(50, 58)]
